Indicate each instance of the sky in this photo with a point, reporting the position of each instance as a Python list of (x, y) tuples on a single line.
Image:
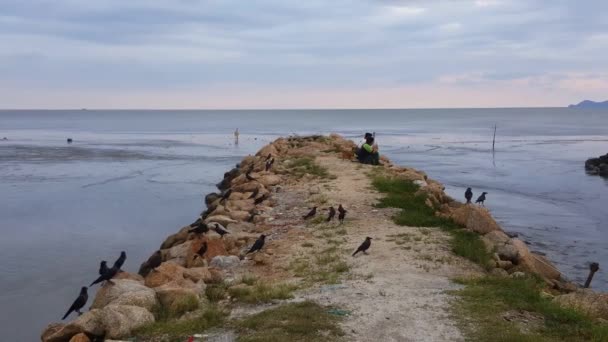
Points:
[(301, 54)]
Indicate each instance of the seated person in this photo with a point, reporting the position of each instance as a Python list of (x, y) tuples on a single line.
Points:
[(368, 153)]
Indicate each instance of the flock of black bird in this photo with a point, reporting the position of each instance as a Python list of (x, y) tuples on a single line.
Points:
[(105, 274), (468, 195), (200, 227)]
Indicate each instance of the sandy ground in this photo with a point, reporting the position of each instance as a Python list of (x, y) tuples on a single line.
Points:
[(398, 291)]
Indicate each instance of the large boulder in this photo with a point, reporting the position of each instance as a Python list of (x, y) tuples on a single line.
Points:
[(163, 274), (221, 219), (266, 150), (178, 254), (240, 215), (534, 263), (125, 292), (120, 320), (180, 298), (269, 180), (215, 247), (175, 239), (475, 218), (589, 302), (212, 197), (247, 187), (225, 261), (89, 323)]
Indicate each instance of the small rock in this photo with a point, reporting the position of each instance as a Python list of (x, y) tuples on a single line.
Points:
[(499, 272), (518, 275), (80, 338), (224, 262)]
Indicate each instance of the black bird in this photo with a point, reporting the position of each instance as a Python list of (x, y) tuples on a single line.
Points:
[(258, 244), (69, 140), (202, 228), (226, 195), (342, 214), (121, 260), (201, 251), (268, 164), (78, 303), (332, 213), (269, 156), (260, 199), (254, 193), (220, 230), (364, 246), (103, 267), (149, 265), (468, 195), (310, 214), (481, 198), (107, 276), (248, 176)]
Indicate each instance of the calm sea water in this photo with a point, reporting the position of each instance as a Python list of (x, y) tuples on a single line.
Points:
[(132, 177)]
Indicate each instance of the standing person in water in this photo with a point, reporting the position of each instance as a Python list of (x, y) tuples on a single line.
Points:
[(236, 137)]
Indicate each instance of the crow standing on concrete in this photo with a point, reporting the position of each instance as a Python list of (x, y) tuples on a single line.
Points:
[(482, 198), (80, 301), (258, 244), (103, 267), (468, 195), (220, 230), (342, 214), (364, 246), (120, 261), (332, 213), (310, 214)]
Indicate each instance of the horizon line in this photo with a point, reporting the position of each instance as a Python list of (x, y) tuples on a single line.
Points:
[(271, 109)]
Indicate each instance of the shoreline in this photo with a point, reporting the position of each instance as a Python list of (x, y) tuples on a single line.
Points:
[(183, 278)]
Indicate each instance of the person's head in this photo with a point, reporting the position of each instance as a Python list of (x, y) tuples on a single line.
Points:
[(368, 135), (369, 140)]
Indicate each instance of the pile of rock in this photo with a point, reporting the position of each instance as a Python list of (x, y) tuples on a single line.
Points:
[(178, 284), (597, 166)]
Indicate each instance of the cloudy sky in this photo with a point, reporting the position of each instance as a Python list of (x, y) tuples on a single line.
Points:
[(301, 54)]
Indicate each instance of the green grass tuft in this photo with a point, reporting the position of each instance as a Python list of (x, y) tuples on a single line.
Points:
[(261, 293), (298, 322), (401, 193), (484, 300), (216, 292), (305, 165), (179, 330)]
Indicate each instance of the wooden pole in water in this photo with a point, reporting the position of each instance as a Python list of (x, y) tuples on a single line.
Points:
[(594, 267), (494, 139)]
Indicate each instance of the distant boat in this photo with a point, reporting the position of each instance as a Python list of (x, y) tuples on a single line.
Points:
[(590, 104), (83, 109)]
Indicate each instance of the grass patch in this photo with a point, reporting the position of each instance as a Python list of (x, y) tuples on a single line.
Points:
[(299, 322), (485, 300), (261, 293), (401, 193), (216, 292), (179, 330), (306, 165), (249, 279)]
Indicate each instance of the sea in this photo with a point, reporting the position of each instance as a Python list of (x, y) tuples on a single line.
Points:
[(130, 178)]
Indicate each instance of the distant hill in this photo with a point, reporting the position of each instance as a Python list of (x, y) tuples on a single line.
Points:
[(590, 104)]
